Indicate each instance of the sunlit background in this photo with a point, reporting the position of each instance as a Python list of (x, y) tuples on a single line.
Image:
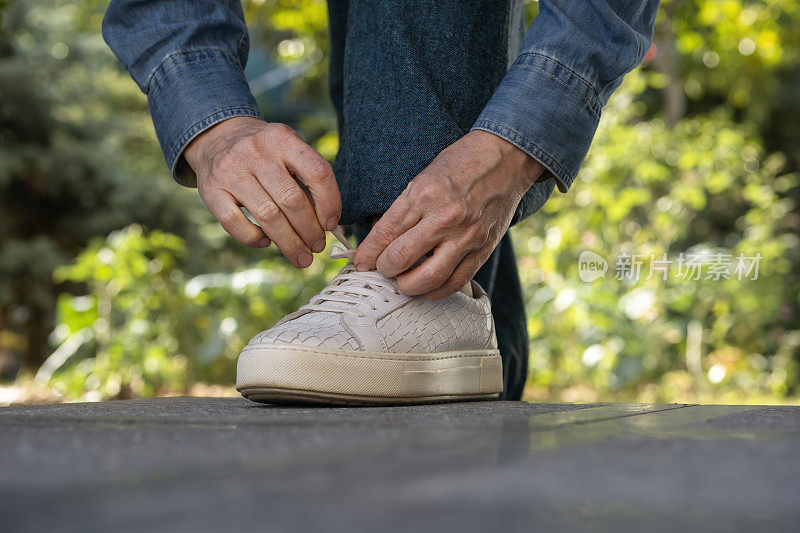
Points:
[(115, 282)]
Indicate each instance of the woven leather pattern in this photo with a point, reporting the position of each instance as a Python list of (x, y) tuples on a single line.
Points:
[(320, 330), (425, 326), (405, 324)]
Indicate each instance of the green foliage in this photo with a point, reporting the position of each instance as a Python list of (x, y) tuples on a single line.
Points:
[(679, 165), (122, 331), (726, 46), (144, 328), (705, 185), (78, 158), (297, 34)]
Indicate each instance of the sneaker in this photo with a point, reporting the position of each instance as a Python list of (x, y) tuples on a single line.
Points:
[(363, 342)]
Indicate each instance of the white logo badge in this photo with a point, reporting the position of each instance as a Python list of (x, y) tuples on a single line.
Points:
[(591, 266)]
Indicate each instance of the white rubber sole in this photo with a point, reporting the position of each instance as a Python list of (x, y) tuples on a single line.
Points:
[(298, 374)]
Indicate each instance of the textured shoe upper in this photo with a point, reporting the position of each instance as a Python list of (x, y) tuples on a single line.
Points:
[(365, 311)]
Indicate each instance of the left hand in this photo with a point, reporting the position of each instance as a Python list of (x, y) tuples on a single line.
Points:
[(458, 208)]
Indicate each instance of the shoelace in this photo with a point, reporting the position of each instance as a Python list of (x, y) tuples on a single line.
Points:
[(337, 252), (351, 291)]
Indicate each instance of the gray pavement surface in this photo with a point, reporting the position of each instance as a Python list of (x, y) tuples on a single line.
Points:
[(223, 464)]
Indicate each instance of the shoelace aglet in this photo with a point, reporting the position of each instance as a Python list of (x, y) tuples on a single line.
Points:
[(338, 232)]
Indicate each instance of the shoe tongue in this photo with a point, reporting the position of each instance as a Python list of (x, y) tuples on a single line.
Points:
[(354, 280), (348, 251)]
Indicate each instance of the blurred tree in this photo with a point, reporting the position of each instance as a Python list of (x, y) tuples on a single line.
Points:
[(704, 187), (698, 181), (77, 159), (295, 35), (144, 327)]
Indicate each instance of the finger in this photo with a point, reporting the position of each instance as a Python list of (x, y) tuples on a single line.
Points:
[(408, 248), (397, 220), (461, 275), (313, 171), (294, 204), (224, 207), (433, 272), (273, 222)]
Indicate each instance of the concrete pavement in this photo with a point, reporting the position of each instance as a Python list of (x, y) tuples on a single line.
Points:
[(220, 464)]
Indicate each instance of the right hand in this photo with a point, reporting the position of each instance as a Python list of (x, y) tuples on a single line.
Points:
[(286, 185)]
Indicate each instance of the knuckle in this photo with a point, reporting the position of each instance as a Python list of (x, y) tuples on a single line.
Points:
[(382, 235), (292, 198), (435, 275), (455, 212), (421, 194), (279, 131), (249, 143), (236, 180), (267, 211), (398, 255), (319, 168), (228, 219), (280, 127)]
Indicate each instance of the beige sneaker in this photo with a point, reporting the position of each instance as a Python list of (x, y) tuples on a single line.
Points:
[(362, 341)]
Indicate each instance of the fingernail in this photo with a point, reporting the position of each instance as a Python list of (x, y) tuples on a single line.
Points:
[(332, 223), (304, 259), (361, 267), (319, 246), (263, 243)]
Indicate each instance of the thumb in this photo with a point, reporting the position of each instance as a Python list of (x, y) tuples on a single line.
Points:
[(395, 222)]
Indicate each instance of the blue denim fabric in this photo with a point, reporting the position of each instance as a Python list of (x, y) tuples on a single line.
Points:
[(407, 78)]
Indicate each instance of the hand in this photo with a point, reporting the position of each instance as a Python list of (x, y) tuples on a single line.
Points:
[(267, 168), (458, 207)]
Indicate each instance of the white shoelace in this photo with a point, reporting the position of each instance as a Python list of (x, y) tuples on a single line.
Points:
[(351, 291), (337, 252)]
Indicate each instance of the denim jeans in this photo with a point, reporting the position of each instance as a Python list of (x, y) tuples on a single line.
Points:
[(407, 79), (406, 83)]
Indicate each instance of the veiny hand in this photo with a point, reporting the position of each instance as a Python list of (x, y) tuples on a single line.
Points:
[(267, 168), (459, 207)]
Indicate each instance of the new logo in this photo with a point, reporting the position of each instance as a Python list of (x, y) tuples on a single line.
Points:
[(591, 266)]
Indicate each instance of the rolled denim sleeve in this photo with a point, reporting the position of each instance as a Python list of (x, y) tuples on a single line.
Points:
[(188, 57), (574, 55)]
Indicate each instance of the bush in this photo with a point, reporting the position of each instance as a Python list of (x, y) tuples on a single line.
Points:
[(704, 187), (143, 327)]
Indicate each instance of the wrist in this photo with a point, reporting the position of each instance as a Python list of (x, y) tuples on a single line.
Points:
[(198, 150), (523, 167)]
